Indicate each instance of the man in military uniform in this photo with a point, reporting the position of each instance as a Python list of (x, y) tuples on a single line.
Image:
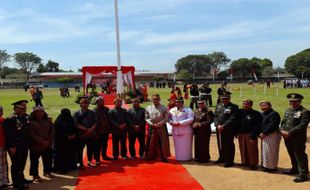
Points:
[(225, 118), (16, 128), (294, 132), (202, 131)]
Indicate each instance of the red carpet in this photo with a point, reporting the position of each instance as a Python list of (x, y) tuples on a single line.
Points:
[(136, 174), (108, 98)]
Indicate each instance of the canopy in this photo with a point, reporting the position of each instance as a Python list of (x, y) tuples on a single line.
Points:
[(89, 71)]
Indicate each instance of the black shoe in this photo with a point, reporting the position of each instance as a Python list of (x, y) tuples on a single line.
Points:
[(300, 179), (125, 157), (164, 160), (107, 158), (115, 158), (253, 167), (290, 172), (228, 165), (26, 181), (19, 187), (269, 170), (219, 161), (81, 167)]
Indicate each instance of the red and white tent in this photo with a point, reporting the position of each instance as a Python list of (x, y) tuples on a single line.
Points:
[(90, 71)]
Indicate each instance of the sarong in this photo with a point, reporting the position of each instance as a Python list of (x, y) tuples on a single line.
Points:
[(270, 147)]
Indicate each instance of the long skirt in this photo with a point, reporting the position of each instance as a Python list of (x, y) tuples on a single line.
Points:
[(270, 147), (157, 144), (3, 168), (65, 155), (183, 146), (248, 151)]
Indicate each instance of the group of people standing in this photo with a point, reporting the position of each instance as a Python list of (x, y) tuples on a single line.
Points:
[(247, 125), (61, 143)]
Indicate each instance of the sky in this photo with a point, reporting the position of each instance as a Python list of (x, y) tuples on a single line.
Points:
[(154, 34)]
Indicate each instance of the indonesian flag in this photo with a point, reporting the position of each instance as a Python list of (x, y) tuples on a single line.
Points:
[(254, 74)]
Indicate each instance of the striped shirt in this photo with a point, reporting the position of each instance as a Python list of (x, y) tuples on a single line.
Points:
[(40, 131)]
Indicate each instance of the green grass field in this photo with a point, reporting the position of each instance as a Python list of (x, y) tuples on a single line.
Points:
[(53, 102)]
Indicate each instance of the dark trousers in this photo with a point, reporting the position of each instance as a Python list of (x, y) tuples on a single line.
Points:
[(116, 140), (18, 164), (208, 99), (90, 144), (38, 102), (226, 146), (101, 146), (46, 158), (296, 149), (132, 141), (193, 101), (202, 144)]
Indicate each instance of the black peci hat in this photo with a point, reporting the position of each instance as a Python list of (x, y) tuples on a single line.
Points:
[(179, 99)]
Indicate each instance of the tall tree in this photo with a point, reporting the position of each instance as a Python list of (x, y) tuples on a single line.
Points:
[(197, 65), (184, 75), (52, 66), (8, 71), (27, 62), (246, 68), (218, 60), (299, 64), (4, 57), (41, 68)]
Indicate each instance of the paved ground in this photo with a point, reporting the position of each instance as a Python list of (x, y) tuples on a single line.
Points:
[(210, 176)]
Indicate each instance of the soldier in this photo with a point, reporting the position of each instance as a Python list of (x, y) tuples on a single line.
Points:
[(202, 130), (225, 117), (294, 131), (16, 128)]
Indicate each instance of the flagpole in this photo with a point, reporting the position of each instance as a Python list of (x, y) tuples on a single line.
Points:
[(119, 79)]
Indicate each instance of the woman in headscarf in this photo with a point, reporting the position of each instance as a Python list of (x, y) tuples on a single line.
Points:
[(65, 143)]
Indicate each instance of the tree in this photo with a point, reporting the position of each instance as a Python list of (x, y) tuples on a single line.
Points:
[(184, 75), (245, 68), (299, 64), (52, 66), (268, 71), (27, 62), (8, 71), (41, 68), (4, 57), (218, 59), (196, 65)]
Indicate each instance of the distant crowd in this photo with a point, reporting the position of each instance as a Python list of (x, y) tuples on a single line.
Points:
[(296, 83)]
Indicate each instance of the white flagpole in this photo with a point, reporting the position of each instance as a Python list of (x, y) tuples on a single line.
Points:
[(119, 79)]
